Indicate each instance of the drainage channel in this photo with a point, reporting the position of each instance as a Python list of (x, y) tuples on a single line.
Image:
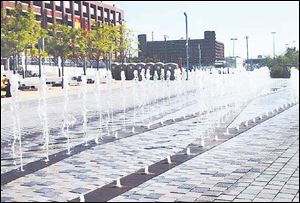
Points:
[(114, 189)]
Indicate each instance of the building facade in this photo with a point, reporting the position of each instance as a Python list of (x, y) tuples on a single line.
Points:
[(77, 14), (175, 50)]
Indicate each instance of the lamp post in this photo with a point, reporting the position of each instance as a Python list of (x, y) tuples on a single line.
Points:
[(273, 33), (187, 46), (165, 38), (233, 39), (40, 48), (199, 50), (247, 47)]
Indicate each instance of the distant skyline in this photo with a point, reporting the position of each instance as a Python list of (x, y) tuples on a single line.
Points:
[(256, 19)]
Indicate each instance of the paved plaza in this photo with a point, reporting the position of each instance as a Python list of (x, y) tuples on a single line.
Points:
[(260, 164)]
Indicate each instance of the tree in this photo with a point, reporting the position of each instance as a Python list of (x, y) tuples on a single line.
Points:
[(59, 43), (96, 44), (280, 65), (19, 32), (126, 41)]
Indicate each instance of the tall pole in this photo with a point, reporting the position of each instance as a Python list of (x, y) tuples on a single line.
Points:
[(233, 39), (187, 46), (165, 37), (152, 36), (273, 33), (199, 49), (247, 47)]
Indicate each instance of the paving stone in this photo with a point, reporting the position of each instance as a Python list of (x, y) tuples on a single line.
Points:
[(285, 196), (80, 190), (226, 197), (200, 189), (154, 196)]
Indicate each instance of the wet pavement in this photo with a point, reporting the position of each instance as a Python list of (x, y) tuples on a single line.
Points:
[(260, 164)]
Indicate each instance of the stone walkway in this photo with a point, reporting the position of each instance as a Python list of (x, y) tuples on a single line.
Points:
[(261, 164)]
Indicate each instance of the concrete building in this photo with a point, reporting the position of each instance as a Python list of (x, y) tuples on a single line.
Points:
[(174, 50), (77, 14)]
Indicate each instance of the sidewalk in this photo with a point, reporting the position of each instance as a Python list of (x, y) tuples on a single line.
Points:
[(259, 165)]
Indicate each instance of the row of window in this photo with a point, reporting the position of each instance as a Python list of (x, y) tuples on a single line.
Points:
[(38, 17), (100, 11)]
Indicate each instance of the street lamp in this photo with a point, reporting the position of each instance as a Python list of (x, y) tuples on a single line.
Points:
[(165, 37), (233, 39), (187, 46), (247, 47), (199, 50), (40, 49), (273, 33)]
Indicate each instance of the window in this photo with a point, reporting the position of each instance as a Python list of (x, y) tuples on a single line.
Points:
[(49, 19), (92, 11), (84, 10), (98, 12), (47, 5), (76, 6), (25, 2), (37, 3), (8, 12), (59, 21), (38, 17), (67, 4), (58, 8)]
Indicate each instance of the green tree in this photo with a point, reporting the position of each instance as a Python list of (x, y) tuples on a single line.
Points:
[(280, 65), (126, 42), (96, 43), (60, 43), (19, 32)]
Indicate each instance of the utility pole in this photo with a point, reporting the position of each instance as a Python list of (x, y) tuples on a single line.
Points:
[(247, 47), (273, 33), (199, 49), (152, 36), (233, 39), (165, 38), (187, 47)]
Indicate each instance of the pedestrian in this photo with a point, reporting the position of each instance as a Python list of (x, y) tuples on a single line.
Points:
[(5, 86)]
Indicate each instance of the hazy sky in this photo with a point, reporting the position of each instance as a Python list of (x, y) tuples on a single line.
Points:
[(229, 19)]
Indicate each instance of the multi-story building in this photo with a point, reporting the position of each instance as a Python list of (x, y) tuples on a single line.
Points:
[(175, 50), (77, 14)]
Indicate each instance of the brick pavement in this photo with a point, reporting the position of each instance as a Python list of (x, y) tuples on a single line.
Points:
[(261, 164)]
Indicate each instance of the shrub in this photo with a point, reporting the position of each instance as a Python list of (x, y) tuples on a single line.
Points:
[(280, 72)]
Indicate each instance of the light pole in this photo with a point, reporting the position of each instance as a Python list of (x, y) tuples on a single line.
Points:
[(40, 49), (233, 39), (165, 38), (273, 33), (199, 50), (247, 47), (187, 46)]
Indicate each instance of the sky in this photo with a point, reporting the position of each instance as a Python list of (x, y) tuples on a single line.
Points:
[(255, 19)]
